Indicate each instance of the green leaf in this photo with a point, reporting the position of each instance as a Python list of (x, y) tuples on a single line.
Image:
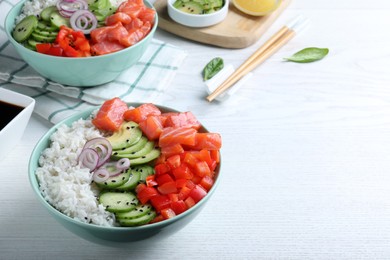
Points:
[(213, 67), (308, 55)]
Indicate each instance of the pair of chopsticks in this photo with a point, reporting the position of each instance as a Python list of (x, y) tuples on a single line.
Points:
[(272, 45)]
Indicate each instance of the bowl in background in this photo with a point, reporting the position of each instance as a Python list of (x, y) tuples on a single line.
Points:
[(197, 20), (113, 236), (80, 72), (16, 110)]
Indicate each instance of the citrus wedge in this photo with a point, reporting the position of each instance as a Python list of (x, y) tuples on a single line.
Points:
[(257, 7)]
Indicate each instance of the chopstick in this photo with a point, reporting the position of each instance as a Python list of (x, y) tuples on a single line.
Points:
[(271, 46)]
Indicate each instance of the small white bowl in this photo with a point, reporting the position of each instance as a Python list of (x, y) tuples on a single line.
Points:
[(197, 20), (12, 132)]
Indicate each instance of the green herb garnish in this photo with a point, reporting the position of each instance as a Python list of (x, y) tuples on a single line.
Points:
[(308, 55), (213, 67)]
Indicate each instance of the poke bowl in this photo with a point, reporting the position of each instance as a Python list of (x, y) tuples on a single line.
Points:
[(163, 188), (92, 49)]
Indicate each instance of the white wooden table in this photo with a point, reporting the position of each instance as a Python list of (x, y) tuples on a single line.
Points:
[(306, 153)]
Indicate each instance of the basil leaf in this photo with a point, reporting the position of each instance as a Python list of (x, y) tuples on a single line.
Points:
[(213, 67), (308, 55)]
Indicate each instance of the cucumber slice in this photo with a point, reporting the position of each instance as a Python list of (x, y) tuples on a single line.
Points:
[(32, 43), (131, 183), (154, 154), (45, 33), (58, 20), (138, 221), (144, 171), (25, 28), (42, 38), (46, 12), (43, 26), (118, 201), (137, 212), (128, 134), (115, 181)]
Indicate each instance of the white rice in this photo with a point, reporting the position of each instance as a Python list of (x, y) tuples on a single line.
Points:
[(34, 7), (65, 185)]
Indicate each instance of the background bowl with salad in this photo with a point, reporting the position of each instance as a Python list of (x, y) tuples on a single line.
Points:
[(81, 42), (123, 172)]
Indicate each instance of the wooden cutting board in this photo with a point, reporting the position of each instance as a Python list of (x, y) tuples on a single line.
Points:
[(238, 30)]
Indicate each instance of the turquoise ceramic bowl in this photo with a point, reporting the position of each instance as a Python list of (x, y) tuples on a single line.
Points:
[(112, 236), (80, 72)]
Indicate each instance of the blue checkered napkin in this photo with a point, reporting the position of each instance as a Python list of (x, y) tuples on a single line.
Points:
[(143, 82)]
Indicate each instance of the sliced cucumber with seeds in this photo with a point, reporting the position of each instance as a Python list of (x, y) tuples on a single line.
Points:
[(46, 12), (42, 38), (144, 170), (117, 202), (137, 212), (57, 20), (131, 183), (25, 28), (115, 181), (138, 221)]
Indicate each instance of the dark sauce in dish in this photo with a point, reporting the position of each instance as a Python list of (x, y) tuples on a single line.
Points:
[(8, 112)]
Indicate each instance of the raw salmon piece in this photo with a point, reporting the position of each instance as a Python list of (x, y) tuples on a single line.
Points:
[(147, 15), (118, 17), (177, 135), (105, 47), (117, 32), (135, 23), (110, 115), (132, 8)]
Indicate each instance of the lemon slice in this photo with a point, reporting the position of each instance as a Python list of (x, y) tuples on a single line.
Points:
[(257, 7)]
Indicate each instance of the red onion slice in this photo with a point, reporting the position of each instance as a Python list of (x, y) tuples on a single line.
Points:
[(83, 20), (100, 175), (88, 158), (123, 163), (102, 147), (68, 7)]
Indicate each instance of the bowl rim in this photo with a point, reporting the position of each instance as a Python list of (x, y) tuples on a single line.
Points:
[(170, 6), (10, 23), (41, 145)]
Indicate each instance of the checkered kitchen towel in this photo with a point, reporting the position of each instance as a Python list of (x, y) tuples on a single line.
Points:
[(143, 82)]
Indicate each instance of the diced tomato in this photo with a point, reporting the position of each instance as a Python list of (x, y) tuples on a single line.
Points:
[(202, 169), (174, 161), (198, 193), (160, 202), (184, 193), (151, 127), (158, 218), (73, 42), (206, 182), (196, 179), (49, 49), (190, 202), (190, 159), (167, 187), (178, 206), (161, 179), (214, 154), (183, 119), (146, 193), (150, 180), (180, 183), (173, 197), (140, 113), (161, 168), (190, 184), (172, 150), (110, 115), (177, 135), (168, 213), (182, 172)]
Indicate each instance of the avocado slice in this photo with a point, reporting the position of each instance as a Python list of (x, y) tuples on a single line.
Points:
[(128, 134), (143, 151), (153, 154), (132, 148), (190, 7)]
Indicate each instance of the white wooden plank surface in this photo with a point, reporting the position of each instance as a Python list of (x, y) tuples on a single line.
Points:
[(306, 153)]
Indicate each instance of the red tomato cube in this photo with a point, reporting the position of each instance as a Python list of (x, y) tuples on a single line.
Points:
[(198, 193)]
